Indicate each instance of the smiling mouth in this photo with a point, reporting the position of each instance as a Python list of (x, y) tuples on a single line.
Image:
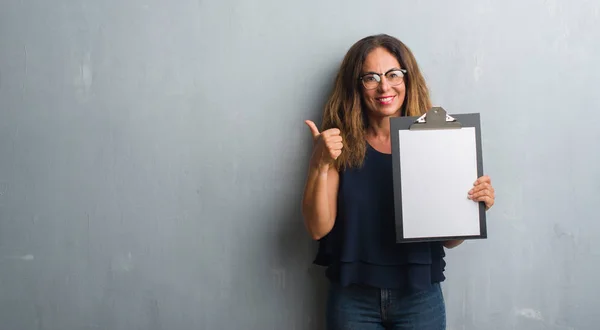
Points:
[(385, 100)]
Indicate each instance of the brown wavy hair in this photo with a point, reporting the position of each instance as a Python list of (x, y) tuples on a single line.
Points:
[(344, 108)]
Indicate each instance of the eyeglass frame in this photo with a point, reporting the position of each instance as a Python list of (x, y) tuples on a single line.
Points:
[(404, 71)]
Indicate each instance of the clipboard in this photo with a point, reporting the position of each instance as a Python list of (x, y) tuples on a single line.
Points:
[(436, 159)]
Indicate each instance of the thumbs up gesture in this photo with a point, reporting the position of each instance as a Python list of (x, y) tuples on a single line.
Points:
[(327, 145)]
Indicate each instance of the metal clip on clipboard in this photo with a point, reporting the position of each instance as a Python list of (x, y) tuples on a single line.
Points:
[(435, 118)]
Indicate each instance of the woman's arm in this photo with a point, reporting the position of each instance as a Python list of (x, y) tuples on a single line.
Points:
[(319, 204)]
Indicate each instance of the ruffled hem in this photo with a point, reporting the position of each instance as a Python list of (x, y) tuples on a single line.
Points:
[(410, 272)]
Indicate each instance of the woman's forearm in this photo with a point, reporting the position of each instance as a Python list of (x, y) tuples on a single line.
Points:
[(318, 208)]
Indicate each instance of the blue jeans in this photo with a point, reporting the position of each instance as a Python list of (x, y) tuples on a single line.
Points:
[(366, 308)]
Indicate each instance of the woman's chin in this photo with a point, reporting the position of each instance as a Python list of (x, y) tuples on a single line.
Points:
[(388, 111)]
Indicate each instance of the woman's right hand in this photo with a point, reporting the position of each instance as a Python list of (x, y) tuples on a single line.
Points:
[(327, 146)]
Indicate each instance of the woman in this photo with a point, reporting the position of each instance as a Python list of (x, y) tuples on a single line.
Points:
[(348, 197)]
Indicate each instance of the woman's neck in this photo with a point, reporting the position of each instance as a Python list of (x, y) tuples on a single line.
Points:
[(379, 128)]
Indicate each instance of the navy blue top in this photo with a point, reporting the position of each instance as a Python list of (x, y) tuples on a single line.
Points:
[(361, 248)]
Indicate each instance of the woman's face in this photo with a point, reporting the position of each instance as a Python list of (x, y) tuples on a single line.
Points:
[(384, 100)]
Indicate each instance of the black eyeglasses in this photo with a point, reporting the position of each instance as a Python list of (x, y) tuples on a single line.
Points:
[(372, 80)]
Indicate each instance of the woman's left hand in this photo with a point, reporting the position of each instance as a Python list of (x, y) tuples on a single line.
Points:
[(483, 192)]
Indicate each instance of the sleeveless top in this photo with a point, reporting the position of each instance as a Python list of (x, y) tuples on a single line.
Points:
[(361, 248)]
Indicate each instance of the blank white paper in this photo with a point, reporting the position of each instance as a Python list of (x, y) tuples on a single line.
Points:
[(438, 168)]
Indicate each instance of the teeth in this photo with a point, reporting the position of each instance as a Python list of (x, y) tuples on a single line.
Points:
[(386, 99)]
